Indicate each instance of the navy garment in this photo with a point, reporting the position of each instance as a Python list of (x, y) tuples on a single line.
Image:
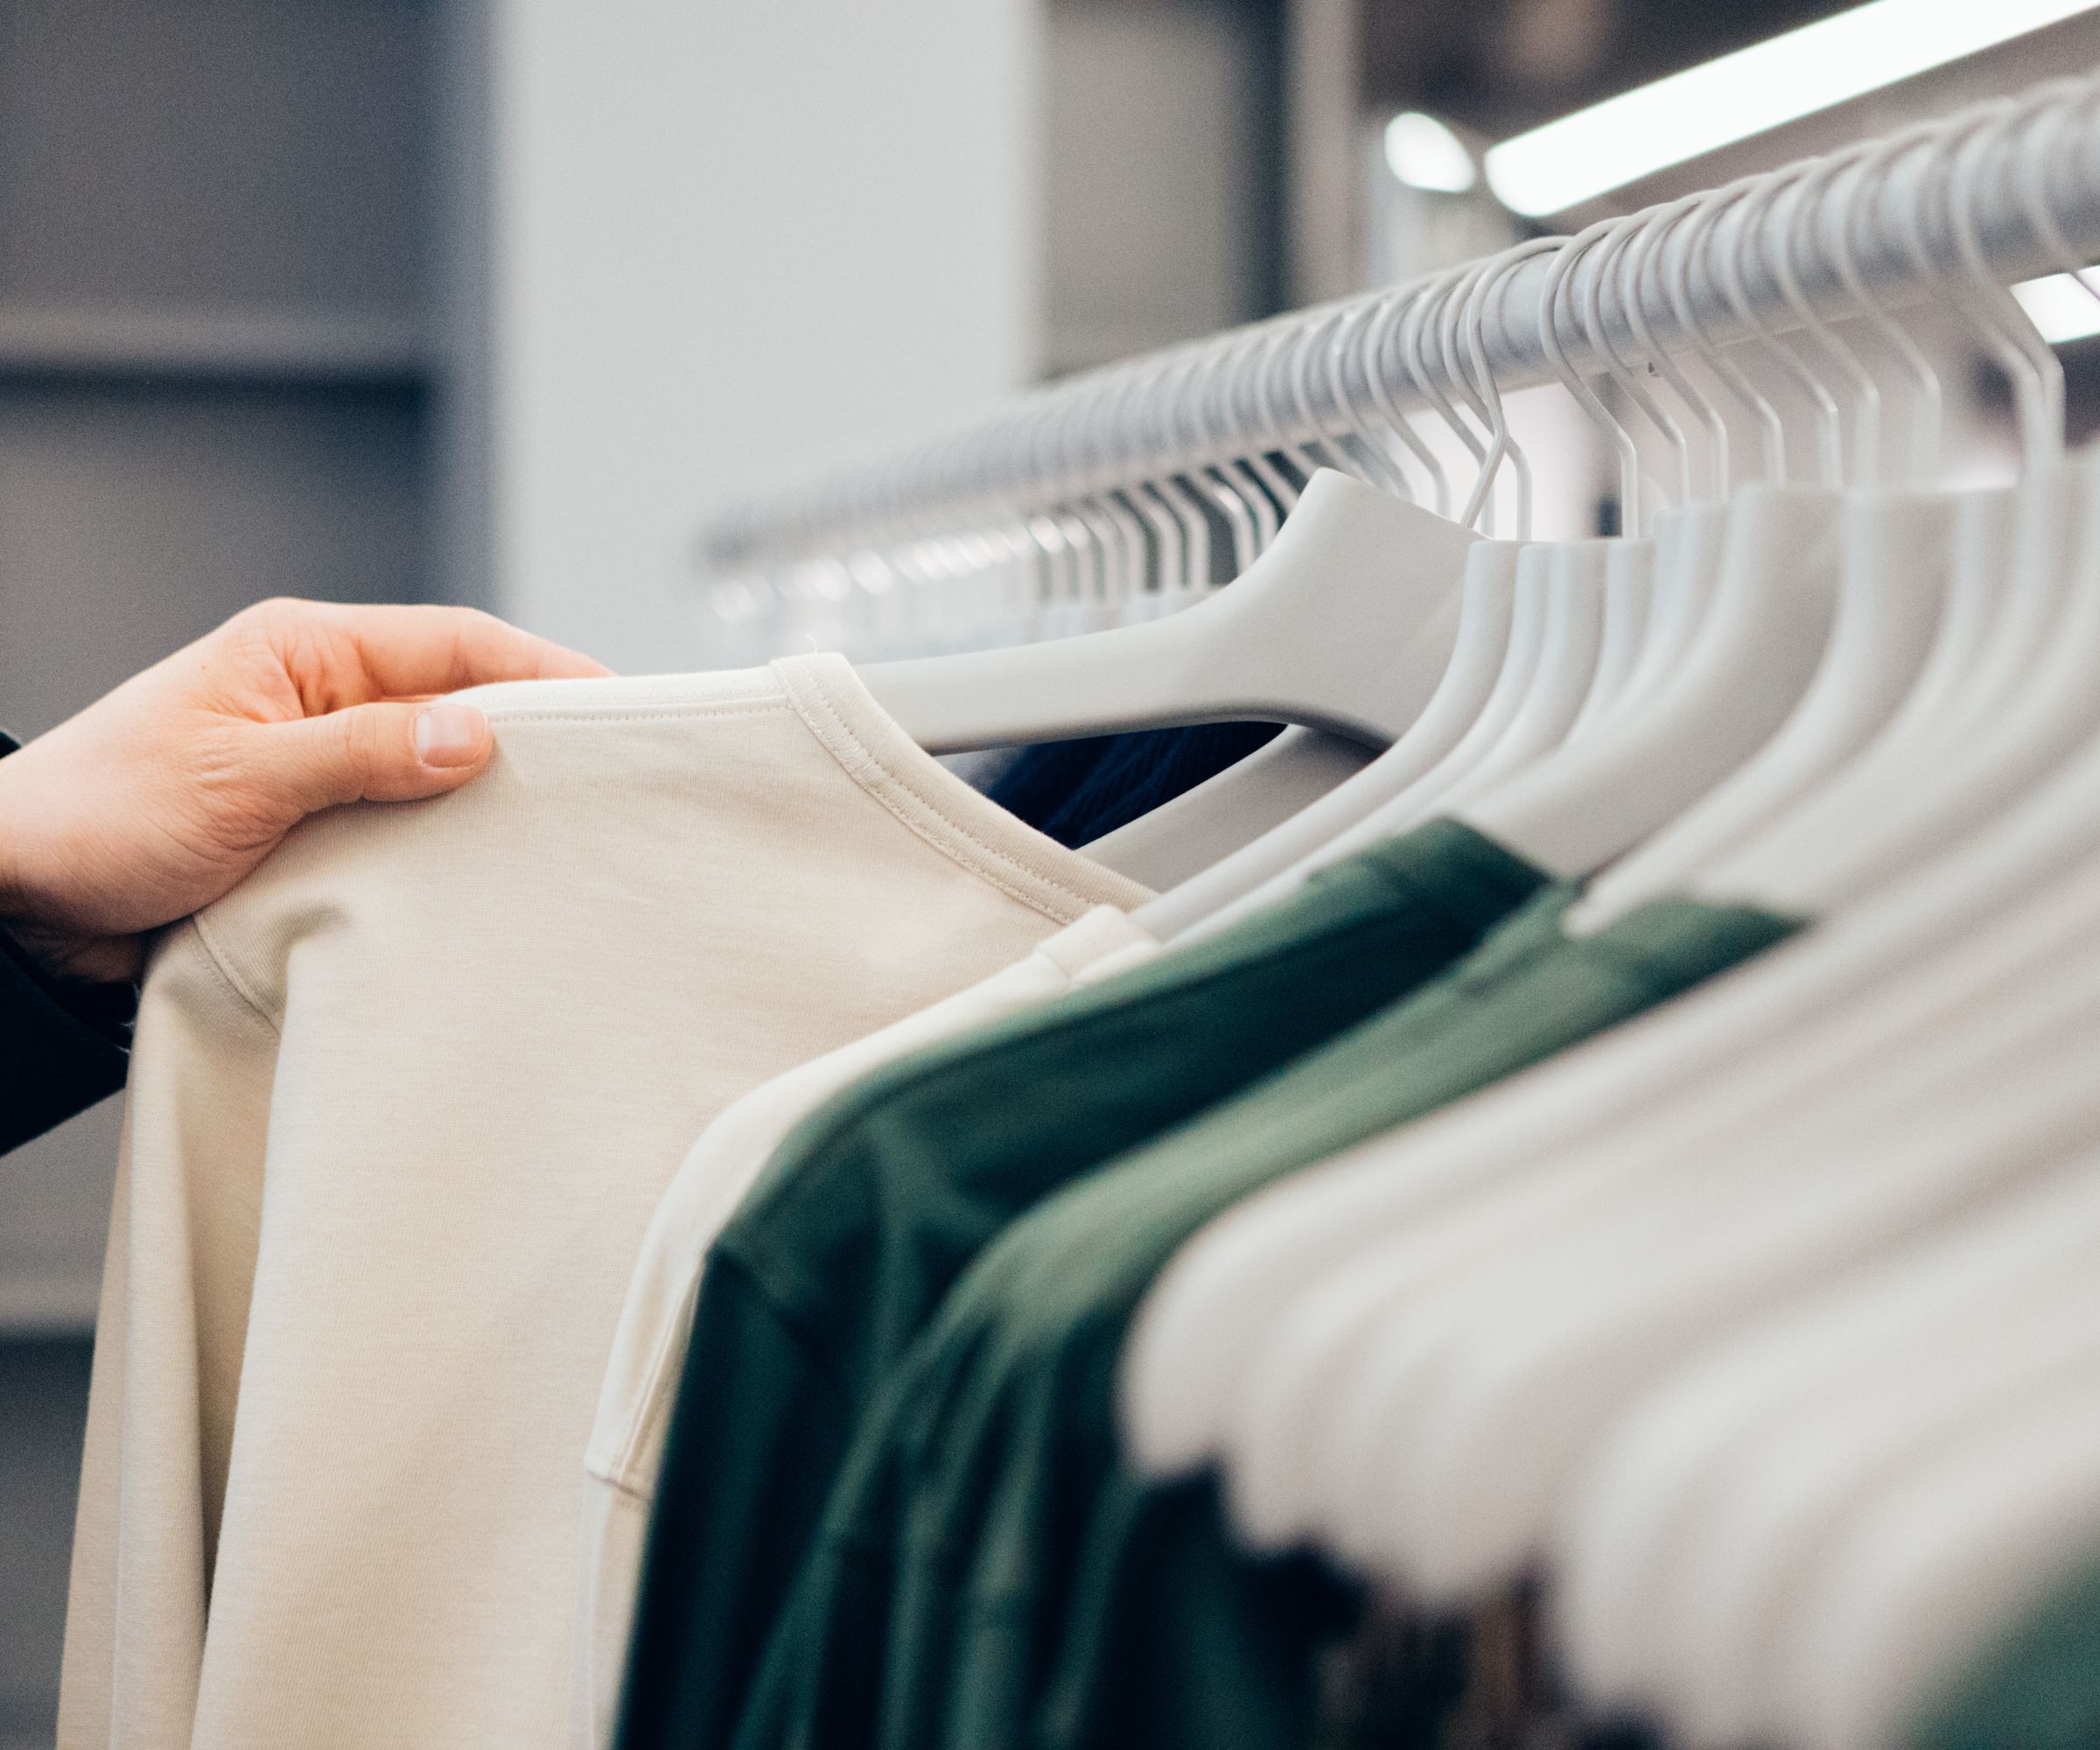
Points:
[(1045, 778), (63, 1046), (1076, 791)]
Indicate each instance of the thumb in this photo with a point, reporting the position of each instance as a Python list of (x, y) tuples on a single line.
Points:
[(381, 753)]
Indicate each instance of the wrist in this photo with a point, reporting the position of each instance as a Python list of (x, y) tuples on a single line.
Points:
[(36, 930), (15, 910)]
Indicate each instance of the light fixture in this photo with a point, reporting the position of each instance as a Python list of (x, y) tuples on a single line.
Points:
[(2060, 307), (1423, 153), (1781, 80)]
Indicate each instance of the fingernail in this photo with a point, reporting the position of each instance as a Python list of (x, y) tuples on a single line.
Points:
[(449, 735)]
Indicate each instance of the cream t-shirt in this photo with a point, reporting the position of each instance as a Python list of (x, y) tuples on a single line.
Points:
[(648, 1352), (400, 1108)]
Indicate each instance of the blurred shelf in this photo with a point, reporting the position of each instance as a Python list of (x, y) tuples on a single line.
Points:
[(41, 1308), (212, 346)]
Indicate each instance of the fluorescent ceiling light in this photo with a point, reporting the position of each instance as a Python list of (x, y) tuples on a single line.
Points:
[(2060, 307), (1648, 128), (1422, 152)]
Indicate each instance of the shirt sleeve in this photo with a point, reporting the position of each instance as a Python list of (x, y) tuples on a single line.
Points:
[(169, 1336), (62, 1046)]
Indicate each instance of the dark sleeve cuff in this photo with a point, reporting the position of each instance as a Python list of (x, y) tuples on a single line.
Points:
[(62, 1046)]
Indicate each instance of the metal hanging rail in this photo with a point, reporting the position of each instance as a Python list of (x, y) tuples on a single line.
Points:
[(2004, 191)]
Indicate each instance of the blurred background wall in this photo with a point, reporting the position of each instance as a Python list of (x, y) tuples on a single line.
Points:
[(843, 198), (492, 300)]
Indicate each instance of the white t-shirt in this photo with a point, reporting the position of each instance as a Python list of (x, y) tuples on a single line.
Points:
[(400, 1108), (648, 1352)]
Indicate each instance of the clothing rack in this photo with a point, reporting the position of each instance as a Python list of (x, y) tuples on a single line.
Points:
[(1872, 212)]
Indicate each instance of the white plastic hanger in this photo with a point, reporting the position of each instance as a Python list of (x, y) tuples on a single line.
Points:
[(1197, 830), (1484, 639), (1892, 568), (1628, 571), (1977, 583), (1265, 648), (1226, 1317), (1755, 656), (1689, 547), (1314, 1444), (1906, 924), (1632, 1522), (1648, 624), (1548, 666), (1687, 537), (1517, 1362), (1478, 655), (1626, 592), (1649, 1565), (1662, 1246), (1200, 1335), (1946, 1559), (1467, 1465), (1959, 1363), (2027, 703), (1572, 587)]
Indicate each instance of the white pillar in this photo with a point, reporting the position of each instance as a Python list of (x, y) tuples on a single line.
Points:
[(730, 241)]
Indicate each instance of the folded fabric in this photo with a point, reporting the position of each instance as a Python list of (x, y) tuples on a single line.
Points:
[(1076, 791), (648, 1351), (869, 1213), (992, 1572), (402, 1106)]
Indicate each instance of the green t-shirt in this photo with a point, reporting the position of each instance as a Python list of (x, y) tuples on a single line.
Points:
[(878, 1202), (991, 1572), (2037, 1689)]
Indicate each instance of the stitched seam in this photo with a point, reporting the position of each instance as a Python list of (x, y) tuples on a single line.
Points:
[(871, 1093), (620, 1486), (1438, 898), (1658, 979), (222, 966), (870, 757), (666, 1355), (669, 714), (809, 1338)]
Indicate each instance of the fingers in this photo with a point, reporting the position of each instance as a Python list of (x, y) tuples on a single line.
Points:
[(336, 655), (377, 753)]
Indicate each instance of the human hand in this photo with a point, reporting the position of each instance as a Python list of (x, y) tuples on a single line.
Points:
[(158, 798)]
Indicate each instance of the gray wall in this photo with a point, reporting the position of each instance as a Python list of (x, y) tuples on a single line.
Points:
[(216, 378), (1162, 173)]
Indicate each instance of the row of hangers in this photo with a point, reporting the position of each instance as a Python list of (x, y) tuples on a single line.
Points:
[(1766, 1328)]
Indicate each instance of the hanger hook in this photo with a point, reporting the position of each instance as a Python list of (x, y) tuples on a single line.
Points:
[(1623, 373), (1491, 284), (1616, 435), (2033, 185), (1245, 501), (1371, 457), (1452, 320), (1308, 363), (1266, 435), (1705, 213), (1923, 423), (1750, 217), (2042, 374), (1420, 313), (1803, 222), (1384, 327), (1646, 248)]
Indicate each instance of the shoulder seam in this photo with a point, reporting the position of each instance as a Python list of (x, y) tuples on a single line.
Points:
[(222, 966), (1005, 884), (664, 714)]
